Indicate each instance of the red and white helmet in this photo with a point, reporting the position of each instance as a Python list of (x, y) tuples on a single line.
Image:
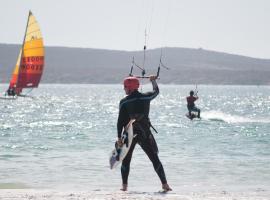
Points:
[(131, 83)]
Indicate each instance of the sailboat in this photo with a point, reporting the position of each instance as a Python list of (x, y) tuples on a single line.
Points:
[(30, 63)]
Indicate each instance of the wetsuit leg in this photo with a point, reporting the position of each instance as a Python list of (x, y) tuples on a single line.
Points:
[(126, 162), (153, 156), (189, 109)]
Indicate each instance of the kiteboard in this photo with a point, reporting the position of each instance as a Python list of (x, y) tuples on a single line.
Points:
[(120, 152), (192, 116)]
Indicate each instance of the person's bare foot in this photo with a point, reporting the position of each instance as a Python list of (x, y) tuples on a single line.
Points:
[(166, 187), (124, 187)]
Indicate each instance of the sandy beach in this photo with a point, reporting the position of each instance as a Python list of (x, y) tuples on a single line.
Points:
[(33, 194)]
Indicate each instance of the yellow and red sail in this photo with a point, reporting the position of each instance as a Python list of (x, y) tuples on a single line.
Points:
[(30, 63)]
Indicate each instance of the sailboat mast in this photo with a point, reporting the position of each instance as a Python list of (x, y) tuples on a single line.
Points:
[(30, 13)]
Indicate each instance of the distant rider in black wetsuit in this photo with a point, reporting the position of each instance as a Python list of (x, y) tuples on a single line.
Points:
[(136, 105)]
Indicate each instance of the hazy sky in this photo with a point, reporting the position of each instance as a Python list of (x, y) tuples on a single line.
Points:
[(233, 26)]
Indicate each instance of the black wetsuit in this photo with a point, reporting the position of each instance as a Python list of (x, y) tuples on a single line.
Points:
[(136, 106)]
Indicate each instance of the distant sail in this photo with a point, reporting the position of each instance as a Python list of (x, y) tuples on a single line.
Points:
[(29, 67)]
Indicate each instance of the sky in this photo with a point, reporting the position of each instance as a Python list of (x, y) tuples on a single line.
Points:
[(232, 26)]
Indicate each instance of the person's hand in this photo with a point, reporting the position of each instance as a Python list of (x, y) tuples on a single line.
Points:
[(152, 77), (119, 142)]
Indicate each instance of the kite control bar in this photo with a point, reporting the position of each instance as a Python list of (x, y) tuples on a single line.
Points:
[(149, 76), (143, 70)]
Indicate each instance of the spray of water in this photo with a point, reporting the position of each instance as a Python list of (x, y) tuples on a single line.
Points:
[(229, 118)]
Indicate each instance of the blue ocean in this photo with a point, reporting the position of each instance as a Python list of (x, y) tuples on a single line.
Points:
[(61, 137)]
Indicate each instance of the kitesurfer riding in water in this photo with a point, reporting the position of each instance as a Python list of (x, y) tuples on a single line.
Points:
[(136, 105), (191, 105)]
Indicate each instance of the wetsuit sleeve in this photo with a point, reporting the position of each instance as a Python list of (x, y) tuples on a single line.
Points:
[(154, 93), (122, 119), (155, 86)]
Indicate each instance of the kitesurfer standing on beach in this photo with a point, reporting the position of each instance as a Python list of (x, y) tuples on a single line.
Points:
[(136, 105)]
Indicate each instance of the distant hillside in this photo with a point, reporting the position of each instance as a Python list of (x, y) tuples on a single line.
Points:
[(187, 66)]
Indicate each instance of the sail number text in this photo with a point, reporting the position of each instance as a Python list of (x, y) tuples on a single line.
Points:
[(32, 63)]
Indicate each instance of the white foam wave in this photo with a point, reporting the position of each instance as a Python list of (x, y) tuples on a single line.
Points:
[(220, 116)]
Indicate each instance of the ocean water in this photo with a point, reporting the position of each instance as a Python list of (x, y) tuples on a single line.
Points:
[(61, 139)]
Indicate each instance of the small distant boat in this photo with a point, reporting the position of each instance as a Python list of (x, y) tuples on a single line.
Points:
[(30, 64)]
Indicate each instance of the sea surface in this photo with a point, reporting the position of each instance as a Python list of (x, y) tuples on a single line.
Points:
[(60, 139)]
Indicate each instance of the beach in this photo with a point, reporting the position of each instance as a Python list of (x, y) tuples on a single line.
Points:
[(27, 194)]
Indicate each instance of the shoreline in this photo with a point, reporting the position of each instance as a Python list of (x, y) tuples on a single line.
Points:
[(46, 194)]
